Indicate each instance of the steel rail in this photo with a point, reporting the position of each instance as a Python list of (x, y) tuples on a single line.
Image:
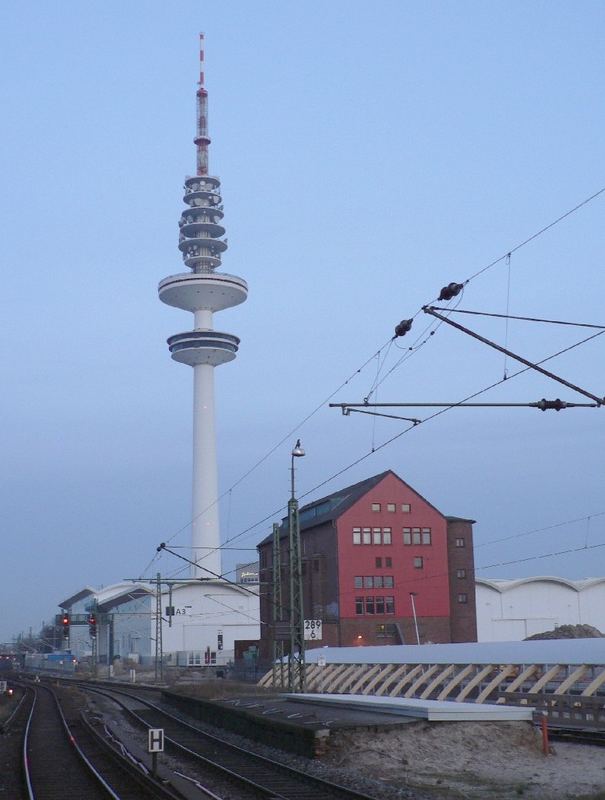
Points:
[(317, 783)]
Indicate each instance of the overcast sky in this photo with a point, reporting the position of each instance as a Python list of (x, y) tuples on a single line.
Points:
[(369, 154)]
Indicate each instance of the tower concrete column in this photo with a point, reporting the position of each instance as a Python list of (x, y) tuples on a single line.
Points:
[(205, 531)]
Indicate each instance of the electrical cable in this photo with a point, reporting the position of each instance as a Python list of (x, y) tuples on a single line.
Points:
[(535, 235), (384, 444), (523, 319), (276, 446)]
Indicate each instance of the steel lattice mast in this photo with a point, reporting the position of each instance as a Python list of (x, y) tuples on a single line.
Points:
[(203, 291)]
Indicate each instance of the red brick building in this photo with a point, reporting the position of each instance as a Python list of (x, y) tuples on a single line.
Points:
[(365, 549)]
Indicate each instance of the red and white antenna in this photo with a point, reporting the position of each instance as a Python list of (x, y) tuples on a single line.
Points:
[(202, 139)]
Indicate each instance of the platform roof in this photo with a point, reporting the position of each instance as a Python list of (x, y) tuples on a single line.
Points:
[(551, 651)]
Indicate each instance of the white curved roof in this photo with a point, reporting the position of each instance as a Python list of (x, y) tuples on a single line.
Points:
[(500, 585)]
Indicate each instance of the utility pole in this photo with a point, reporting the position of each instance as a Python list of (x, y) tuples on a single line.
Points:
[(159, 653), (296, 658), (277, 609)]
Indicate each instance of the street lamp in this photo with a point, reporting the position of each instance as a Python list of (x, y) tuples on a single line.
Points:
[(412, 596), (297, 452), (296, 657)]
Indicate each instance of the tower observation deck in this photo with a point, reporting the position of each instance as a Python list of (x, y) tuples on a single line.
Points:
[(202, 291)]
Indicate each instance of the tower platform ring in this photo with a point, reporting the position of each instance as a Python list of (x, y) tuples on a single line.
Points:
[(209, 179), (203, 347), (194, 291), (189, 229), (216, 245)]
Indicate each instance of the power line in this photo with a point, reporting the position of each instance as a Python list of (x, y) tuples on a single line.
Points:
[(530, 364), (274, 448), (535, 235), (523, 319), (540, 530), (344, 383), (366, 455)]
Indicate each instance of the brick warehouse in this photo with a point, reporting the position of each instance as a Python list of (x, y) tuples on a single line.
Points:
[(365, 548)]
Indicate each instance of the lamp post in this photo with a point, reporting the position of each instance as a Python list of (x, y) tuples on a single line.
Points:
[(296, 657), (412, 596)]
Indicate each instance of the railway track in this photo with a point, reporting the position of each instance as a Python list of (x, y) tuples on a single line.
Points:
[(575, 736), (193, 746), (63, 757)]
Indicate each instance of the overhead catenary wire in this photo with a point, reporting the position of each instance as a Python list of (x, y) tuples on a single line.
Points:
[(516, 356), (470, 278), (407, 429), (250, 528), (432, 576), (280, 442), (523, 319)]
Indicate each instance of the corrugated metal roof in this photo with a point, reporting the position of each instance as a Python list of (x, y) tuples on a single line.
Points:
[(549, 651)]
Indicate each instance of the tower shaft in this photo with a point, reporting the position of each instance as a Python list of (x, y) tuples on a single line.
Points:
[(205, 512)]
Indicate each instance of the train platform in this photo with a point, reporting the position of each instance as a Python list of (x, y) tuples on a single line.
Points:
[(303, 724)]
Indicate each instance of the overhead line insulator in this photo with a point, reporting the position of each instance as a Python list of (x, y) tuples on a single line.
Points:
[(405, 326), (451, 290)]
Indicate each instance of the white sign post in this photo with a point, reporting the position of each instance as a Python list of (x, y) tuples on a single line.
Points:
[(3, 685), (155, 745), (313, 630)]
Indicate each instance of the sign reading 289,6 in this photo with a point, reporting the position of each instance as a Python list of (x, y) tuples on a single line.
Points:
[(313, 630)]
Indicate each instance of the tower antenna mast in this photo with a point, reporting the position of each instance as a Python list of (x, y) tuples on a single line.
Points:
[(202, 140)]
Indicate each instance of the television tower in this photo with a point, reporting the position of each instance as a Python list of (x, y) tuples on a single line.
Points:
[(203, 291)]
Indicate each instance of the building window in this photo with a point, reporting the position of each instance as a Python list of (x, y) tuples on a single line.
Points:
[(368, 582), (356, 535), (406, 508), (367, 535), (385, 631), (426, 536), (380, 605), (378, 562), (407, 536), (369, 605), (388, 562), (391, 507), (416, 538), (378, 581), (418, 562), (375, 506), (359, 605), (388, 582), (377, 536), (461, 573), (460, 542), (358, 580), (386, 536), (463, 598), (389, 605)]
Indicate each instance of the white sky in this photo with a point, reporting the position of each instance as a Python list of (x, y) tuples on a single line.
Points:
[(369, 154)]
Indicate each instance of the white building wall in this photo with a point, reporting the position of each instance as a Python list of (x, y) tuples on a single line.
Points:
[(514, 609), (203, 612)]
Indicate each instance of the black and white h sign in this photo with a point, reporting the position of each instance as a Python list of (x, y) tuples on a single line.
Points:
[(156, 740)]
